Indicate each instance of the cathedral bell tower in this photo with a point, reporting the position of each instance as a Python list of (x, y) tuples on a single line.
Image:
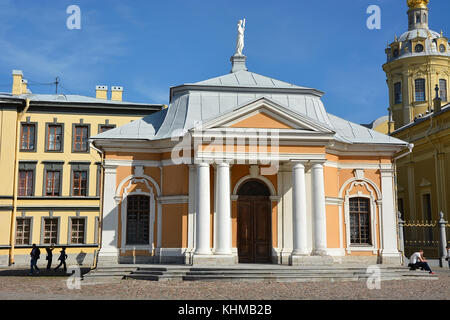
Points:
[(417, 61)]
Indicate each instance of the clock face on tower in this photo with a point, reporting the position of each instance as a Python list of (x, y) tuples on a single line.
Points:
[(419, 48), (442, 48)]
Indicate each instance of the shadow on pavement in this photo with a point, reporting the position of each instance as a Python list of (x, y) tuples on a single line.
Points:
[(43, 273)]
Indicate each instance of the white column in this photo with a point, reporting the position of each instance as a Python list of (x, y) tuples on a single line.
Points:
[(110, 219), (388, 216), (223, 228), (203, 246), (318, 206), (299, 210), (191, 208)]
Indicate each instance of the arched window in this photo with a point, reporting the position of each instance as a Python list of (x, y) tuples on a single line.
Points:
[(418, 18), (420, 89), (138, 219), (424, 18), (397, 92), (443, 89), (360, 221)]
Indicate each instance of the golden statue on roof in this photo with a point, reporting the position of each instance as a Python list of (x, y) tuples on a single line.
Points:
[(416, 4)]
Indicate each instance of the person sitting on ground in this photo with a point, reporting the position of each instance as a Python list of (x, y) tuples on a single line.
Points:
[(418, 261)]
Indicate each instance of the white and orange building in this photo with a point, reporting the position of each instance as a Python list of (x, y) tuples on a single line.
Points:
[(246, 168)]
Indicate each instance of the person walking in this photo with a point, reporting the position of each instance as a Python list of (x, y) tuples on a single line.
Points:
[(62, 258), (35, 255), (49, 255), (418, 261)]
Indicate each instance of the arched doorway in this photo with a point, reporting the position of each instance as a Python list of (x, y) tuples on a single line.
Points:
[(254, 223)]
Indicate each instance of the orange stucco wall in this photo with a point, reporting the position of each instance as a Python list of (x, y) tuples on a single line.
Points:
[(332, 213), (174, 225), (261, 120)]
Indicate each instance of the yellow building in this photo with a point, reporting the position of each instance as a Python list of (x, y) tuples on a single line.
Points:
[(418, 72), (51, 177)]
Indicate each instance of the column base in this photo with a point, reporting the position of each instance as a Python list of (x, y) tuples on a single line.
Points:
[(214, 260), (393, 258), (107, 258), (301, 260)]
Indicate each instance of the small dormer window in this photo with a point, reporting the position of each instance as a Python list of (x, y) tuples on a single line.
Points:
[(419, 48), (396, 53), (442, 48)]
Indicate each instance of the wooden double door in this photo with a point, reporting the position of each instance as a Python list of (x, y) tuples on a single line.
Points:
[(254, 229)]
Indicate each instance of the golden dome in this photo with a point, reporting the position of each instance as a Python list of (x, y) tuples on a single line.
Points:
[(416, 4)]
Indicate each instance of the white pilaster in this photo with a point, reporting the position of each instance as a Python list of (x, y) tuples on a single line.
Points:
[(110, 219), (318, 205), (388, 217), (203, 246), (299, 210), (223, 228)]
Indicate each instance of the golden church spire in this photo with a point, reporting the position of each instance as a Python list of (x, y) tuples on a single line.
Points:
[(418, 4)]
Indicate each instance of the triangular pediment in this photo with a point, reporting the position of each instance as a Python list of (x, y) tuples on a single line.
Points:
[(264, 113), (262, 119)]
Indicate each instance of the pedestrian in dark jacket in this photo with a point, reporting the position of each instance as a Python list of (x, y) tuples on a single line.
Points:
[(35, 255), (49, 256), (62, 258)]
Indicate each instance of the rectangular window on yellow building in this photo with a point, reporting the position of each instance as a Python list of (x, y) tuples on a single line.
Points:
[(28, 137), (80, 138), (420, 89), (54, 137), (50, 231), (26, 183), (443, 89), (397, 93), (23, 231), (77, 230)]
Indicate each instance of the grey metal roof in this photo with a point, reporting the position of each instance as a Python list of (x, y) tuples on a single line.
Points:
[(350, 132), (445, 108), (247, 79), (209, 99), (68, 98)]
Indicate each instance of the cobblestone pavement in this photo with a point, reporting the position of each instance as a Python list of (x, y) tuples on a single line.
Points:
[(18, 285)]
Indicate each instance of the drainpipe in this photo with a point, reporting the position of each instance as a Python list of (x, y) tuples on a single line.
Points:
[(100, 215), (15, 182)]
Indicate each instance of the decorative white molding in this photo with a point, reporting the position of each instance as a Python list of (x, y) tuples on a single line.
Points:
[(359, 174), (173, 199), (373, 214), (123, 210), (259, 177), (334, 201)]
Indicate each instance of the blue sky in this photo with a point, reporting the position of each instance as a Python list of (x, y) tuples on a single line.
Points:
[(149, 46)]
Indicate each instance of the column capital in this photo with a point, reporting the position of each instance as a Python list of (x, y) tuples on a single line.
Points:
[(203, 164), (317, 165)]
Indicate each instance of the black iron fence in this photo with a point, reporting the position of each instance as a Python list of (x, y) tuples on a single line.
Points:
[(430, 236)]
